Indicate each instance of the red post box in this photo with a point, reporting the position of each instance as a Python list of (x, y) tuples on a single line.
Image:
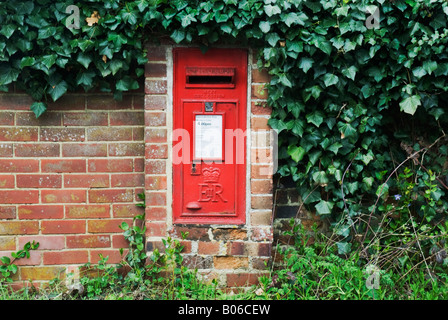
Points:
[(209, 137)]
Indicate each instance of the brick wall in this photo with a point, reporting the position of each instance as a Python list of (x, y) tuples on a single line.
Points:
[(69, 178)]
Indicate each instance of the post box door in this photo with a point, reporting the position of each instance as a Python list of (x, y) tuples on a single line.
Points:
[(209, 142)]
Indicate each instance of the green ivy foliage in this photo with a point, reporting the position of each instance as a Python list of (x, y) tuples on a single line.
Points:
[(348, 99)]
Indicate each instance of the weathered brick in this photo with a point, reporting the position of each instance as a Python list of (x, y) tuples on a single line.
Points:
[(19, 196), (138, 133), (66, 165), (208, 248), (194, 233), (107, 102), (11, 101), (155, 198), (155, 102), (139, 164), (224, 234), (261, 186), (63, 196), (18, 165), (155, 86), (49, 242), (39, 181), (262, 234), (226, 262), (109, 134), (260, 108), (86, 181), (155, 70), (7, 212), (7, 181), (197, 262), (261, 217), (34, 259), (156, 151), (66, 257), (63, 226), (7, 243), (156, 213), (84, 150), (155, 167), (129, 118), (262, 171), (260, 76), (242, 279), (6, 149), (62, 134), (259, 91), (41, 212), (6, 118), (46, 119), (261, 202), (127, 149), (37, 150), (155, 228), (106, 225), (110, 165), (261, 156), (18, 134), (155, 119), (19, 227), (126, 210), (85, 119), (156, 182), (119, 241), (138, 101), (156, 53), (87, 211), (260, 122), (68, 102), (236, 248), (113, 256), (41, 273), (128, 180), (156, 135), (110, 195), (88, 241)]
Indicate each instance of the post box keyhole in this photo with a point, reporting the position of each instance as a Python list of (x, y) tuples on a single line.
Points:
[(209, 107)]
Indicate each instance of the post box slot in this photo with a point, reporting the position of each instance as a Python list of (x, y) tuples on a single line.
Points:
[(217, 77)]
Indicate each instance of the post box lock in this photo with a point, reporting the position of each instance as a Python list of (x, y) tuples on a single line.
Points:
[(209, 107)]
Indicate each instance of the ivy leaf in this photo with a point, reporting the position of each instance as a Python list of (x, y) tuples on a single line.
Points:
[(296, 153), (350, 72), (305, 64), (324, 207), (84, 59), (27, 61), (272, 38), (296, 126), (7, 30), (344, 247), (429, 66), (178, 36), (38, 108), (271, 10), (330, 79), (265, 26), (126, 84), (58, 90), (410, 104), (320, 177), (315, 118), (8, 74)]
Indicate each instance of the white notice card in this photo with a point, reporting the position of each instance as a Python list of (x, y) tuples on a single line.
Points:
[(208, 137)]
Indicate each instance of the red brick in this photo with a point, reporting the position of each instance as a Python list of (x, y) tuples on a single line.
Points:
[(45, 242), (156, 182), (7, 181), (6, 118), (155, 229), (106, 225), (62, 134), (155, 213), (156, 151), (113, 256), (261, 171), (128, 180), (66, 257), (34, 259), (18, 134), (236, 248), (260, 108), (129, 118), (84, 150), (138, 133), (39, 181), (258, 123), (63, 227), (126, 210), (41, 212), (85, 119), (153, 102), (155, 167), (260, 76), (155, 198), (19, 196), (259, 91), (119, 241), (47, 119), (67, 165), (88, 241), (139, 165), (87, 211), (6, 150), (110, 165), (7, 212), (10, 101), (19, 227), (41, 273), (261, 202), (107, 102), (109, 134), (68, 102), (261, 186), (63, 196), (37, 150), (126, 149), (110, 195), (155, 135), (86, 181), (155, 86), (7, 244), (227, 262), (209, 248), (156, 53), (155, 70), (155, 119), (242, 279), (139, 102)]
